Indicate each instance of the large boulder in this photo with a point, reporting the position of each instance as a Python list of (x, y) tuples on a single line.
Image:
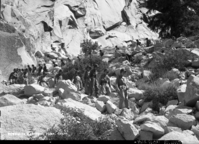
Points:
[(192, 91), (32, 89), (128, 130), (69, 90), (87, 110), (182, 137), (111, 107), (135, 93), (183, 121), (100, 106), (8, 100), (18, 120), (181, 92), (153, 127), (103, 98)]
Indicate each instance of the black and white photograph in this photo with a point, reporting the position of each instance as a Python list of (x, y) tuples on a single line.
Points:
[(113, 70)]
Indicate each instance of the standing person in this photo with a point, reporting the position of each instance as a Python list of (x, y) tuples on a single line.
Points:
[(45, 70), (41, 79), (105, 83), (122, 89), (33, 69), (138, 43), (39, 69), (77, 81), (58, 76), (101, 53), (86, 79), (94, 85), (13, 77), (148, 42)]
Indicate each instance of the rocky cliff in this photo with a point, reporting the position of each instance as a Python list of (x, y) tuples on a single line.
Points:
[(41, 22)]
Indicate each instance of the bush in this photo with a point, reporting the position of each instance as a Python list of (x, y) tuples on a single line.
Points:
[(69, 71), (88, 47), (158, 95), (172, 59), (75, 126)]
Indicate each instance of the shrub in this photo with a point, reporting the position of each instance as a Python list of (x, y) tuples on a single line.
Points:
[(69, 71), (88, 47), (159, 95), (76, 126), (172, 59)]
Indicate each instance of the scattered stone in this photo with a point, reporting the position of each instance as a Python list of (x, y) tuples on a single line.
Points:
[(32, 89), (146, 74), (162, 121), (183, 121), (192, 91), (100, 106), (104, 98), (197, 105), (181, 92), (8, 100), (110, 107), (197, 115), (172, 102), (115, 135), (61, 92), (127, 113), (146, 135), (135, 93), (195, 130), (153, 127), (172, 128), (127, 129), (145, 106), (184, 138), (143, 118)]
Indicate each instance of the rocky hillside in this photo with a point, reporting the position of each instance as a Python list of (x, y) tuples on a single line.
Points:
[(41, 22)]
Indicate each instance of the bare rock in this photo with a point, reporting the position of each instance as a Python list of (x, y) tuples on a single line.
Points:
[(135, 93), (181, 92), (153, 127), (100, 106), (88, 111), (104, 98), (17, 120), (8, 100), (184, 138), (32, 89), (110, 107), (183, 121), (192, 91), (127, 113), (127, 129), (146, 135)]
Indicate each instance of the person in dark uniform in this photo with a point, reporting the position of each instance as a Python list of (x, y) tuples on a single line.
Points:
[(58, 76), (138, 42), (94, 85), (105, 83), (45, 70), (101, 53), (121, 88), (86, 79), (39, 69)]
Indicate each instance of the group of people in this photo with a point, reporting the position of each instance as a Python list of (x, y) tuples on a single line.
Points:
[(26, 74)]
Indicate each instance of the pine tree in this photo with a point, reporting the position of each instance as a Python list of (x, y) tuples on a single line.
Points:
[(175, 17)]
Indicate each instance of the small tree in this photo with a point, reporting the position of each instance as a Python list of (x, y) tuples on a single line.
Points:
[(88, 47)]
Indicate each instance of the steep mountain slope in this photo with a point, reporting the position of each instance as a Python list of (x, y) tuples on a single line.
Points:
[(71, 21)]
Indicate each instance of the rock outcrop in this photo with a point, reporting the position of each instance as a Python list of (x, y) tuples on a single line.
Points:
[(18, 120), (34, 26)]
